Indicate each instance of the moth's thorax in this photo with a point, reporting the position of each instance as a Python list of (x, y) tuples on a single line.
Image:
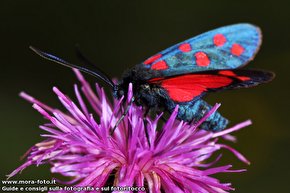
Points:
[(144, 93)]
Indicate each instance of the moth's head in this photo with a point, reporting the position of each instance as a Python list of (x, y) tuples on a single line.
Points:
[(119, 91)]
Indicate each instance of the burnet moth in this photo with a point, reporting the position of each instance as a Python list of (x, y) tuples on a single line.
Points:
[(182, 74)]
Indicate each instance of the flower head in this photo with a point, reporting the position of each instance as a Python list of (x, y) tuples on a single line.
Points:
[(171, 159)]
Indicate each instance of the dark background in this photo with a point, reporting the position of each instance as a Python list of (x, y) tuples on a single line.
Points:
[(118, 34)]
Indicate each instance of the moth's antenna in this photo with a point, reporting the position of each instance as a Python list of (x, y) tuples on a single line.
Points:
[(87, 62), (90, 70)]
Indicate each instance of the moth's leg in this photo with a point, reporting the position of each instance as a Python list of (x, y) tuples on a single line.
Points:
[(159, 111), (122, 117), (147, 110), (163, 118)]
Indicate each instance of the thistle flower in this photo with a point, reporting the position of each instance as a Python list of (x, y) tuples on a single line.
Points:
[(171, 159)]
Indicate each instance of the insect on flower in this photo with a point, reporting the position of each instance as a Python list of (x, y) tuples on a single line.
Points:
[(182, 74), (178, 157)]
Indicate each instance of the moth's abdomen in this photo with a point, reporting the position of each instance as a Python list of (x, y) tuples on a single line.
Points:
[(193, 112)]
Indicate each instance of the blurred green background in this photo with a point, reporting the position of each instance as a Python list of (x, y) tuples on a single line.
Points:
[(117, 35)]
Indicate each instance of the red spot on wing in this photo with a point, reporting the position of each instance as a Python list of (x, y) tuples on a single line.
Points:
[(160, 65), (186, 87), (227, 73), (243, 78), (237, 49), (152, 59), (179, 95), (232, 74), (185, 47), (202, 59), (219, 40), (155, 80)]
